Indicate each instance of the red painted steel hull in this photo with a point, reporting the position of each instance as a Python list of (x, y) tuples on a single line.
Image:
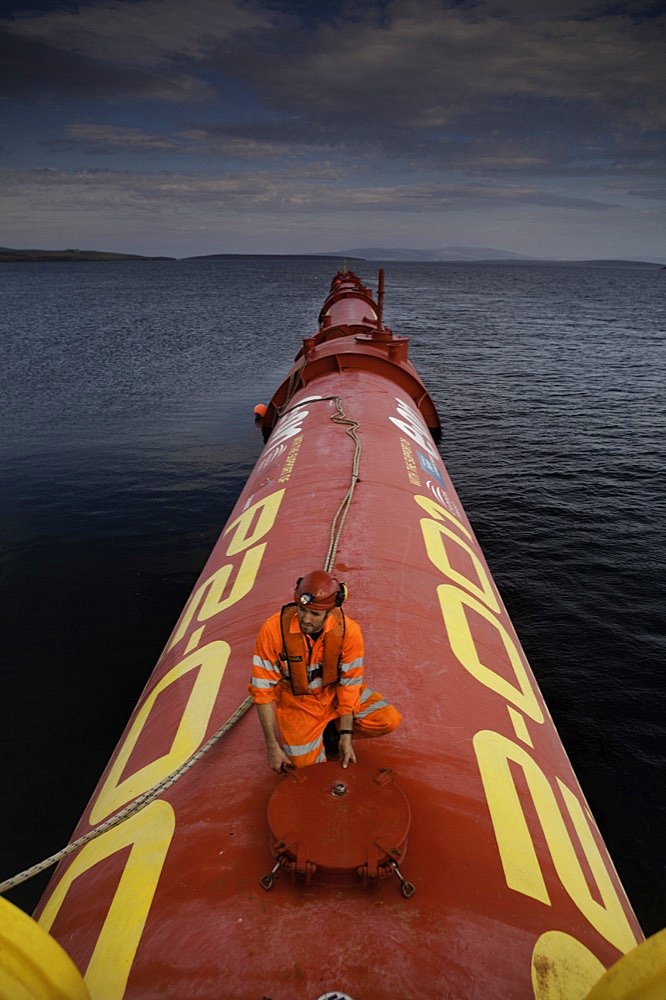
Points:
[(502, 850)]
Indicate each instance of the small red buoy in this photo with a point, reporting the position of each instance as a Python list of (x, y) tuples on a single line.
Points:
[(259, 413)]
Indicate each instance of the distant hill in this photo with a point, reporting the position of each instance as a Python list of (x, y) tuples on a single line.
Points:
[(10, 256), (462, 254), (290, 256), (445, 253), (387, 253)]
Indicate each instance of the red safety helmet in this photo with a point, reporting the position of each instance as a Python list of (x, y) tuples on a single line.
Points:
[(319, 591)]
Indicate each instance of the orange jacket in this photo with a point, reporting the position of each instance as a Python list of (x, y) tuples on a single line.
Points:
[(270, 673)]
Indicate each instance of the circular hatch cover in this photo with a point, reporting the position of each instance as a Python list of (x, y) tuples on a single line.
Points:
[(341, 823)]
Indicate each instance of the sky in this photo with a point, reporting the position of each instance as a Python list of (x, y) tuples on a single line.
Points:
[(185, 127)]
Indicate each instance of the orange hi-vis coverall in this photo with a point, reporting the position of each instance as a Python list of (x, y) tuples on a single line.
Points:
[(302, 718)]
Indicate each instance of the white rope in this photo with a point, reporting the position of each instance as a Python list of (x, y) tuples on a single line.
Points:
[(340, 515), (342, 511)]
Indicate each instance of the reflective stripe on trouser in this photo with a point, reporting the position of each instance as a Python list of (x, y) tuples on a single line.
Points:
[(302, 720)]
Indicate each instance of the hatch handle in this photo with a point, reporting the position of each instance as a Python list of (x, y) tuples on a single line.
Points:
[(408, 888), (384, 776), (266, 881)]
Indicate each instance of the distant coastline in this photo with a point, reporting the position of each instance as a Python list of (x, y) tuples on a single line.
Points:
[(451, 255), (9, 256), (286, 256)]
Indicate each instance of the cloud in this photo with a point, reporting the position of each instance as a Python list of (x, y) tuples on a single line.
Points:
[(262, 142), (149, 49), (101, 139), (144, 34), (309, 208), (310, 189), (421, 64), (32, 69), (431, 66)]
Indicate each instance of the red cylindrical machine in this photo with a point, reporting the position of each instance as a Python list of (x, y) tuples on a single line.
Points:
[(458, 858)]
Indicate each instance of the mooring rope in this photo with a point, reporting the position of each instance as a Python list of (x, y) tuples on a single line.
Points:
[(148, 796), (133, 807), (340, 515), (342, 511)]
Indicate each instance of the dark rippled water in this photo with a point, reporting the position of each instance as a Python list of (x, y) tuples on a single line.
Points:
[(127, 435)]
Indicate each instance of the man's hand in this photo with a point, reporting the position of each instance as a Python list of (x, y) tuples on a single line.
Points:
[(347, 754), (278, 760)]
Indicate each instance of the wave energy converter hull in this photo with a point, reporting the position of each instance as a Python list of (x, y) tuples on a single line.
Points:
[(458, 858)]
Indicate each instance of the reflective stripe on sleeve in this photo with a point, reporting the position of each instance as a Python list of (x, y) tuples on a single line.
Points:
[(265, 665), (262, 682)]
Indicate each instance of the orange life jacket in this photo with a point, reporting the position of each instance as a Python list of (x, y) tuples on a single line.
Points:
[(296, 655)]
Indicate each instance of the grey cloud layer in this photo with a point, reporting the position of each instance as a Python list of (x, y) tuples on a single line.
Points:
[(419, 64), (307, 188), (407, 106)]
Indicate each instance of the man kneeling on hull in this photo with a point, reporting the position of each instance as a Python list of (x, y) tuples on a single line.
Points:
[(307, 676)]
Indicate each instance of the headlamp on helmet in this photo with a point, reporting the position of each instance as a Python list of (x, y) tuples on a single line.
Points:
[(319, 591)]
